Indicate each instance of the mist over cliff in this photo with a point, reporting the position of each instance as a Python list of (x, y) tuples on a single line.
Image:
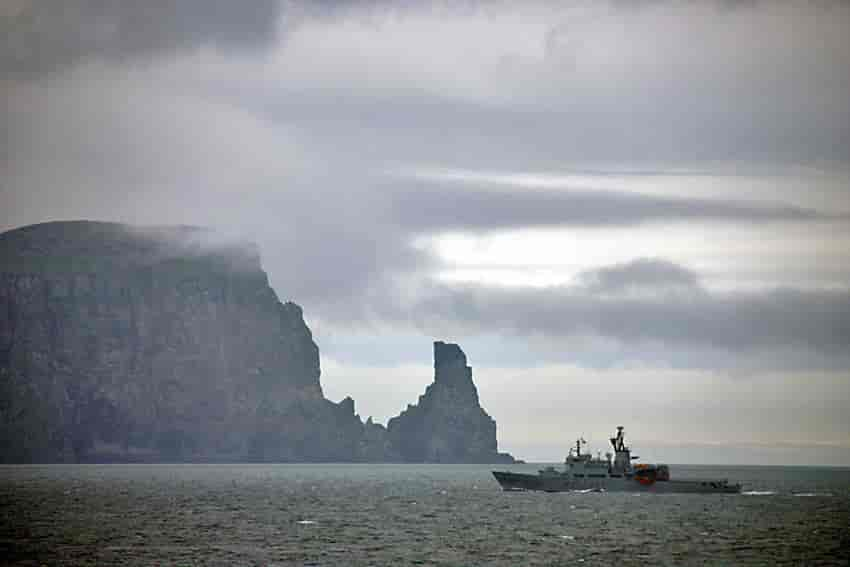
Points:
[(122, 343)]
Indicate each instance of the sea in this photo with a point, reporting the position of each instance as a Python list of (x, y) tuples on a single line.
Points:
[(393, 514)]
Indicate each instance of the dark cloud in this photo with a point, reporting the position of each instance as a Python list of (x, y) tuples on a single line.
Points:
[(644, 273), (42, 35), (740, 322), (432, 207)]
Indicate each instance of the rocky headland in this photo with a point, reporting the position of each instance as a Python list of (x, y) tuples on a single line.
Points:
[(129, 344)]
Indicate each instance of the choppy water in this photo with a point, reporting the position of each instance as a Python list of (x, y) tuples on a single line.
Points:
[(408, 515)]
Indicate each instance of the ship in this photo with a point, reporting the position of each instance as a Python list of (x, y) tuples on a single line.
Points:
[(615, 473)]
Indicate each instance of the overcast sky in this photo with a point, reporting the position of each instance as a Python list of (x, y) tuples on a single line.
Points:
[(629, 213)]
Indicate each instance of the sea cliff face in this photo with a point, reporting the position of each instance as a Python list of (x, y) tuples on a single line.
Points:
[(155, 344), (160, 344)]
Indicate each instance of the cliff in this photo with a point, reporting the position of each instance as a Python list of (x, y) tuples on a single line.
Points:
[(120, 343), (447, 425)]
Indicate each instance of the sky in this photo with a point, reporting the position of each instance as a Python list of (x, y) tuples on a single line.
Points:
[(630, 213)]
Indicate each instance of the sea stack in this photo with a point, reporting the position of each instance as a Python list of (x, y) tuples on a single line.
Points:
[(448, 424)]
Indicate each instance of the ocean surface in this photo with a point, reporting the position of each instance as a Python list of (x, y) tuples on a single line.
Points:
[(344, 514)]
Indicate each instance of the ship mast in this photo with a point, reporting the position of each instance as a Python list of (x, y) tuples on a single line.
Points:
[(622, 453), (619, 441), (579, 442)]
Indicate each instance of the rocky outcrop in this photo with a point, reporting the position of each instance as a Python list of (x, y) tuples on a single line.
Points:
[(447, 425), (167, 344)]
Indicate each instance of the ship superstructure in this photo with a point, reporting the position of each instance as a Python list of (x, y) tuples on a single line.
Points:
[(615, 472)]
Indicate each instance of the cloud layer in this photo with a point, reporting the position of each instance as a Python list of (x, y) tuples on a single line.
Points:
[(648, 303), (40, 36), (435, 208), (307, 128)]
